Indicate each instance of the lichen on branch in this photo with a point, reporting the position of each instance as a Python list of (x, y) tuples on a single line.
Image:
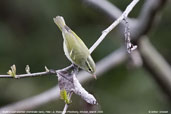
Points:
[(67, 81)]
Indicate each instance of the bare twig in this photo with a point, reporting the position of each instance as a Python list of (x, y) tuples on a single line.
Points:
[(48, 72), (136, 59), (26, 75), (114, 24)]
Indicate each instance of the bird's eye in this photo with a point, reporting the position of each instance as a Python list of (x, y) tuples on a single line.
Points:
[(88, 66)]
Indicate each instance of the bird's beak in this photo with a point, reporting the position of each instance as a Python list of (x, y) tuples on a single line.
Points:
[(94, 76)]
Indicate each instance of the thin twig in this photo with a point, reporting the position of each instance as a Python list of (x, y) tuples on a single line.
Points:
[(113, 25), (147, 17), (26, 75), (50, 72), (65, 108)]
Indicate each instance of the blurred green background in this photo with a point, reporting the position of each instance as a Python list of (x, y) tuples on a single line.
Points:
[(28, 35)]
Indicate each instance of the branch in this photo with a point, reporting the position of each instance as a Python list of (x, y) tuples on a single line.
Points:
[(12, 73), (114, 24), (147, 17), (156, 64), (48, 72), (139, 26), (104, 65), (26, 75), (34, 101), (68, 83)]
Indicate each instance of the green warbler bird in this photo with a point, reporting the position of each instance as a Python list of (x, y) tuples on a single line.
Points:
[(75, 49)]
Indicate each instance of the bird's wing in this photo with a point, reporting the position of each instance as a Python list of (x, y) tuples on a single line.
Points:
[(75, 46)]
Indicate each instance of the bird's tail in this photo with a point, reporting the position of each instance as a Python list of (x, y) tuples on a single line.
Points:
[(59, 21)]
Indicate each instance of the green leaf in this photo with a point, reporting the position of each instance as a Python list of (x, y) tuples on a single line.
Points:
[(64, 96), (27, 69), (12, 72)]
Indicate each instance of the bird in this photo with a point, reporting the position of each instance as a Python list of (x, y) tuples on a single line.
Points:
[(74, 48)]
